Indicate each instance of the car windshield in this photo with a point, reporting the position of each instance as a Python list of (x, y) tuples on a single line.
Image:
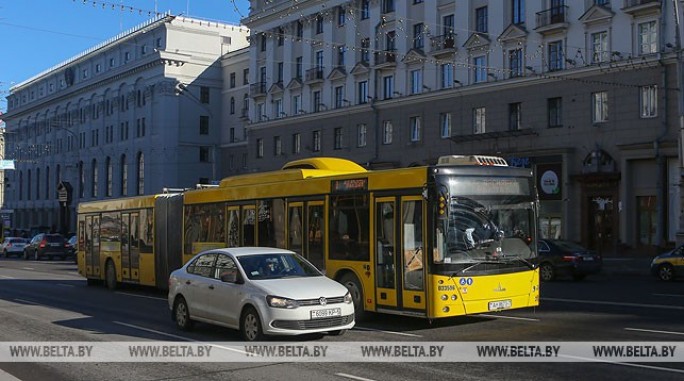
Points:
[(276, 266)]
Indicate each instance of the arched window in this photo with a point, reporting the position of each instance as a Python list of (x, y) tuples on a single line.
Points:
[(21, 185), (124, 176), (28, 185), (47, 183), (37, 183), (81, 180), (141, 173), (95, 178), (108, 176)]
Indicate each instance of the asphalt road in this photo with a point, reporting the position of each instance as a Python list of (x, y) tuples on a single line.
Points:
[(48, 301)]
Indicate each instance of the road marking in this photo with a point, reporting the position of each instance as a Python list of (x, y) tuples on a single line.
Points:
[(509, 317), (353, 377), (65, 285), (670, 295), (26, 301), (391, 332), (627, 364), (140, 296), (621, 304), (6, 376), (6, 277), (654, 331), (27, 268), (177, 337)]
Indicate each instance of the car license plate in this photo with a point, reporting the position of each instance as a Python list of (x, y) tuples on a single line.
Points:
[(55, 245), (500, 305), (588, 259), (330, 312)]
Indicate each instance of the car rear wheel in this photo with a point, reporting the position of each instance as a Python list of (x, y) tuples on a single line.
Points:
[(250, 325), (354, 286), (35, 256), (110, 276), (26, 256), (546, 272), (181, 314), (666, 272)]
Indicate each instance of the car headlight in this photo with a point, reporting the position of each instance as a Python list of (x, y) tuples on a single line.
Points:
[(348, 298), (278, 302)]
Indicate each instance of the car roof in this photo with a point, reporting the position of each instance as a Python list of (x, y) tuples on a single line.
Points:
[(247, 251)]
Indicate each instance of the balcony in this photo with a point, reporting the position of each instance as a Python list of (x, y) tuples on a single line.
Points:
[(638, 7), (552, 20), (257, 89), (442, 45), (314, 75), (386, 58)]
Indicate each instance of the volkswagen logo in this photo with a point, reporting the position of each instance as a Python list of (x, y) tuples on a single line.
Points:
[(323, 301)]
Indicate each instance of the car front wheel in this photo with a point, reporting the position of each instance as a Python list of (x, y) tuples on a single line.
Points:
[(250, 325), (546, 272), (666, 272)]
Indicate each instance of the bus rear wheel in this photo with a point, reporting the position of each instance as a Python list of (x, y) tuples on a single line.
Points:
[(354, 286)]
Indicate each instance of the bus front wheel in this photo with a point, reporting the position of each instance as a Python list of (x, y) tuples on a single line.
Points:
[(354, 286)]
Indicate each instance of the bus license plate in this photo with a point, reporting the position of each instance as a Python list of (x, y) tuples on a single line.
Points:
[(330, 312), (500, 305)]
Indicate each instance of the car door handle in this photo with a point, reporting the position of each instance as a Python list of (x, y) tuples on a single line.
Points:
[(187, 282)]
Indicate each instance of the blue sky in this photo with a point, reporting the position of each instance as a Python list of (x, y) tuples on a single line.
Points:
[(38, 34)]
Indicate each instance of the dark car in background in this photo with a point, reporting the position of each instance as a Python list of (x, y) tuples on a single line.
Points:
[(46, 245), (72, 247), (669, 265), (566, 258)]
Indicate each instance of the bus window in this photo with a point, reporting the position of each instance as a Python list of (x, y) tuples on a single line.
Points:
[(316, 239), (295, 228), (386, 246), (248, 226), (412, 221), (233, 228), (349, 227)]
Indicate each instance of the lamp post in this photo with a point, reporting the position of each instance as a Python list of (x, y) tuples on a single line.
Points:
[(680, 85)]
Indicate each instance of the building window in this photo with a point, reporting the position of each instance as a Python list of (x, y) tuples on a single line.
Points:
[(37, 183), (447, 75), (479, 69), (445, 125), (361, 135), (481, 20), (599, 102), (555, 55), (648, 38), (279, 72), (479, 116), (365, 50), (387, 132), (414, 123), (204, 154), (649, 101), (124, 176), (47, 183), (316, 141), (317, 101), (296, 143), (418, 37), (555, 112), (339, 96), (298, 67), (416, 81), (599, 47), (278, 108), (232, 105), (514, 110), (95, 178), (319, 24), (297, 104), (341, 53), (362, 92), (518, 11), (277, 146), (299, 29), (339, 138), (141, 173), (204, 125), (365, 9), (262, 43), (515, 63), (259, 148), (127, 56), (388, 86), (387, 6), (108, 176), (341, 16), (245, 77), (281, 36)]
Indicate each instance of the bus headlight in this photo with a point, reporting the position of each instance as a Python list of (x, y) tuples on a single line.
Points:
[(444, 297), (454, 297)]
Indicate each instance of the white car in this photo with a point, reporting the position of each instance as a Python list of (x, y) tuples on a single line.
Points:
[(260, 291), (13, 246)]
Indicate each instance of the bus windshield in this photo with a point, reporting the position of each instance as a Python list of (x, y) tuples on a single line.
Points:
[(488, 229)]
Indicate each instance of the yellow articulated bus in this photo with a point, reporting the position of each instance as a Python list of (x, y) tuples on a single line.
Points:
[(450, 239)]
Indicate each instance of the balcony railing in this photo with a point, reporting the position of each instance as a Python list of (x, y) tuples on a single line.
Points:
[(443, 42), (386, 57), (636, 3), (315, 74), (555, 15), (258, 88)]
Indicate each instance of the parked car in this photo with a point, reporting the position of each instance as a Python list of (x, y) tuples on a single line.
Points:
[(72, 246), (13, 246), (46, 245), (669, 265), (559, 257), (260, 291)]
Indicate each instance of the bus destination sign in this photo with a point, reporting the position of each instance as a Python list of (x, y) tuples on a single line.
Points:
[(350, 185)]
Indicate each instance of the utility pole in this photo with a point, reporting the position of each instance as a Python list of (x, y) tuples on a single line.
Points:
[(680, 98)]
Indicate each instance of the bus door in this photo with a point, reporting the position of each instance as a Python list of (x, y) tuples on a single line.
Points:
[(295, 227), (315, 228), (413, 271), (129, 246), (87, 246), (386, 260), (248, 226), (95, 246), (233, 227)]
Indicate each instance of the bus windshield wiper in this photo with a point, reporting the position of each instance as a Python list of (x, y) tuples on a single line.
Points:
[(525, 262), (465, 270)]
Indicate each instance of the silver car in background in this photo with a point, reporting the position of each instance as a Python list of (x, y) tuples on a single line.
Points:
[(260, 291), (13, 246)]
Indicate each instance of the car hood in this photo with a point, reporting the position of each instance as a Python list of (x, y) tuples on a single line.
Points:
[(301, 288)]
